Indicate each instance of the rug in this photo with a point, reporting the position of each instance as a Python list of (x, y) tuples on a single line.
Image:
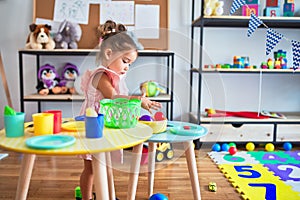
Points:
[(262, 175)]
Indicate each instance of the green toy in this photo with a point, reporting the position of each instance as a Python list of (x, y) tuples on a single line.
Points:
[(9, 111), (151, 88), (78, 194)]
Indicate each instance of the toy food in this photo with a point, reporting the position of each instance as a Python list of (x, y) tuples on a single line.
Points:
[(159, 116), (151, 88), (48, 80), (39, 37)]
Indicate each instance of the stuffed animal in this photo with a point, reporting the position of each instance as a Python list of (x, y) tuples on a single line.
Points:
[(151, 89), (69, 75), (68, 35), (48, 80), (213, 7), (40, 37)]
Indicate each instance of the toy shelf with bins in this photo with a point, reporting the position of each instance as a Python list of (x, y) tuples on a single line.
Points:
[(235, 128), (167, 98)]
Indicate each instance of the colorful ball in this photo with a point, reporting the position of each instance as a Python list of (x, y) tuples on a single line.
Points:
[(159, 116), (216, 147), (225, 147), (269, 147), (145, 118), (232, 144), (287, 146), (250, 146), (232, 150), (158, 196)]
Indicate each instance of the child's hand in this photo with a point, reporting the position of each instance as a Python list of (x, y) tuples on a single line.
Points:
[(148, 104)]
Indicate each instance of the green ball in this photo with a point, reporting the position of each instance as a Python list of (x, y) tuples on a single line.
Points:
[(232, 144)]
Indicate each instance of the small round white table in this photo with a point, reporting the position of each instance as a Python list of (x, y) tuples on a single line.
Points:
[(187, 140)]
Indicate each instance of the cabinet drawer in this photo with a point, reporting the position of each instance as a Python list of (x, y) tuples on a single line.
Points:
[(243, 132), (288, 132)]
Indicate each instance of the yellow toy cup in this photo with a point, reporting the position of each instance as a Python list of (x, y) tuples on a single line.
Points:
[(43, 123)]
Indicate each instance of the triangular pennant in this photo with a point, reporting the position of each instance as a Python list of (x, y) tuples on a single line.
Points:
[(254, 23), (272, 40), (296, 54), (236, 4)]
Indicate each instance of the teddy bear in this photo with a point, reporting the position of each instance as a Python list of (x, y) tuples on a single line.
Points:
[(39, 37), (68, 35), (49, 82), (213, 7), (69, 74)]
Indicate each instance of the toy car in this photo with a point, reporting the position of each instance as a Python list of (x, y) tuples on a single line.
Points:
[(212, 186), (164, 151)]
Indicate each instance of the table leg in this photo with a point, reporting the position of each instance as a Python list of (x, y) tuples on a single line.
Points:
[(100, 175), (134, 171), (151, 166), (110, 177), (25, 175), (191, 162)]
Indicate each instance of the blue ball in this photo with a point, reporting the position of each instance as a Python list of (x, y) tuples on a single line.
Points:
[(216, 147), (158, 196), (225, 147), (287, 146)]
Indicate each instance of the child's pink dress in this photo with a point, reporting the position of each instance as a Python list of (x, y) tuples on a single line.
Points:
[(93, 96)]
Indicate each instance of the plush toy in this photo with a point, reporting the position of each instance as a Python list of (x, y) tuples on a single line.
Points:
[(68, 35), (40, 37), (213, 7), (69, 75), (48, 80), (151, 89)]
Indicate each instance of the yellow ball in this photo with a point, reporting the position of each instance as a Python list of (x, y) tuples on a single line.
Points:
[(269, 147), (250, 146)]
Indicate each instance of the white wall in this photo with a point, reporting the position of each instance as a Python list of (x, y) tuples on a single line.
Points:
[(16, 15)]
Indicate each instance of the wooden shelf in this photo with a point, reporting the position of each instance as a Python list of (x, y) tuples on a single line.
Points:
[(235, 70), (243, 21)]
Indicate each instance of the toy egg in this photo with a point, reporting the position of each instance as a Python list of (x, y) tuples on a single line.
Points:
[(232, 150), (158, 196), (146, 118), (269, 147), (250, 146), (159, 116)]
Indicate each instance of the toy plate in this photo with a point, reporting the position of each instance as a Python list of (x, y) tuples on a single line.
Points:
[(50, 141), (188, 130), (74, 126)]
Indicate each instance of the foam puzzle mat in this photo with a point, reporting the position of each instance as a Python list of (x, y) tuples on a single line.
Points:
[(261, 175)]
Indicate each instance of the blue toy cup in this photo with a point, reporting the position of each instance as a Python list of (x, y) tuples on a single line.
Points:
[(94, 126), (14, 125)]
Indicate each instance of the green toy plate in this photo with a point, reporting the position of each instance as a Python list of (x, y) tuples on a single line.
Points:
[(188, 130), (50, 141)]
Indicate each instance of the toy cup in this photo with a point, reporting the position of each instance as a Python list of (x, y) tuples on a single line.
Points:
[(43, 123), (94, 126), (56, 121), (14, 124)]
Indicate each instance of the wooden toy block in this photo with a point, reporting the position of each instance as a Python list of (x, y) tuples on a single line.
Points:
[(288, 7), (252, 2), (246, 11), (273, 3), (272, 11)]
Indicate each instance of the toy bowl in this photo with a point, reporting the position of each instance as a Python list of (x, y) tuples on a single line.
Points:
[(157, 126), (120, 112)]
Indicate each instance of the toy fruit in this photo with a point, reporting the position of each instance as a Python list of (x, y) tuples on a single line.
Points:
[(159, 116), (212, 186), (145, 118), (232, 150), (269, 147), (250, 146)]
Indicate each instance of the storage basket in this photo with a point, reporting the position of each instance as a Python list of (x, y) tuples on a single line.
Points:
[(120, 112)]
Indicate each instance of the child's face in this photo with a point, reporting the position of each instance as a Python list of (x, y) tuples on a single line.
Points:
[(120, 63)]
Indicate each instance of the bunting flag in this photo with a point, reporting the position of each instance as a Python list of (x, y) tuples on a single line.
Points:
[(296, 54), (273, 39), (254, 23), (236, 4)]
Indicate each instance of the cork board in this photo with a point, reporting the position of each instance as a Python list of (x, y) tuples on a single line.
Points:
[(89, 39)]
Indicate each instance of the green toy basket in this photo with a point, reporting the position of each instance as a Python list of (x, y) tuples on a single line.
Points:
[(120, 112)]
